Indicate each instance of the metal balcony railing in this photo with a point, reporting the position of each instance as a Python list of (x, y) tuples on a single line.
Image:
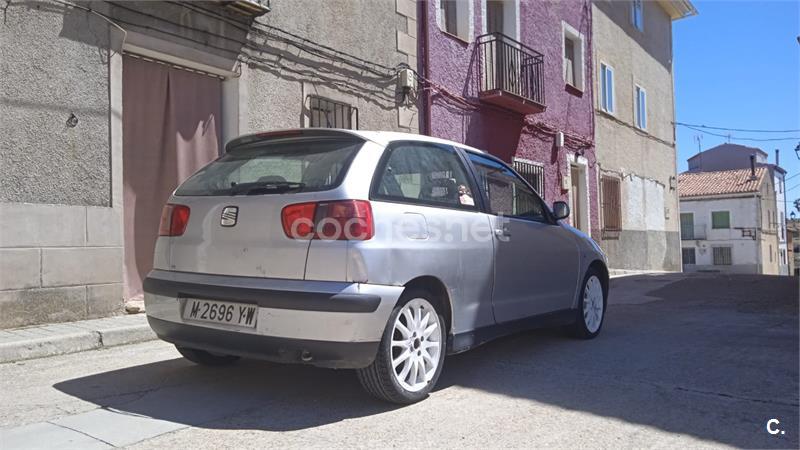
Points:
[(511, 67), (692, 233)]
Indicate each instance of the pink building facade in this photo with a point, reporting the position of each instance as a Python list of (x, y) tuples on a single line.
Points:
[(514, 78)]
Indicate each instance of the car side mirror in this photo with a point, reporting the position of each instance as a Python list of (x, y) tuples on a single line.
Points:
[(560, 210)]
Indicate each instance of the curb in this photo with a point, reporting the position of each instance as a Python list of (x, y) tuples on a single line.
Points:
[(618, 273), (62, 339)]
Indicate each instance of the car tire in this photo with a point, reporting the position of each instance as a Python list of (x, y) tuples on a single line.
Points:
[(592, 305), (205, 358), (414, 339)]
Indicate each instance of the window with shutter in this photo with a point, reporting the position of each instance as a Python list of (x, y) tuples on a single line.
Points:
[(607, 88), (572, 57), (637, 14), (611, 206), (569, 61), (455, 17), (720, 219), (689, 255), (641, 108), (687, 226)]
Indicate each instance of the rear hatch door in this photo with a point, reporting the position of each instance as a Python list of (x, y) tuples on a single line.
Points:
[(235, 203)]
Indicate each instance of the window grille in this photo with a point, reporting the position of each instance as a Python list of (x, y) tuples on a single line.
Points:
[(325, 113), (722, 256), (532, 173)]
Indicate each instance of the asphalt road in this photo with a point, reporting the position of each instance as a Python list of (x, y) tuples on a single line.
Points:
[(702, 360)]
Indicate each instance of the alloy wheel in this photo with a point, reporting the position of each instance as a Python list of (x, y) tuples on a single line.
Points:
[(593, 304), (416, 345)]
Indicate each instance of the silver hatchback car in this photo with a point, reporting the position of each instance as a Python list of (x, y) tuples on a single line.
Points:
[(374, 251)]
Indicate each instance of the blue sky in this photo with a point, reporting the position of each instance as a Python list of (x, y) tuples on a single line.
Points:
[(737, 65)]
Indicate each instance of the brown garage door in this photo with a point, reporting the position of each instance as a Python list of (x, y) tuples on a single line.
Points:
[(171, 127)]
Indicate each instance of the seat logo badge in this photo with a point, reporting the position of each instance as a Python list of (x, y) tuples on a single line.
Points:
[(229, 216)]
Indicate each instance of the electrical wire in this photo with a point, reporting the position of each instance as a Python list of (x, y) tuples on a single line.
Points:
[(795, 186), (311, 47), (795, 175), (299, 42), (270, 31), (736, 138), (735, 129), (106, 18)]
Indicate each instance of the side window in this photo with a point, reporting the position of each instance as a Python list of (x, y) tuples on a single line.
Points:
[(416, 172), (506, 192)]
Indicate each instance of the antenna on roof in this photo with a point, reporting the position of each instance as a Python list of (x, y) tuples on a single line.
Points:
[(698, 138)]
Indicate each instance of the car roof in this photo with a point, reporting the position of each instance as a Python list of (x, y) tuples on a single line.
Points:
[(386, 137), (380, 137)]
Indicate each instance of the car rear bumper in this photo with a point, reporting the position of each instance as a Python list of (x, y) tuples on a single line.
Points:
[(329, 324), (341, 355)]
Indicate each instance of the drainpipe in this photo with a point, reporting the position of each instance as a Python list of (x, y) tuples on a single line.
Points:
[(422, 31), (759, 245)]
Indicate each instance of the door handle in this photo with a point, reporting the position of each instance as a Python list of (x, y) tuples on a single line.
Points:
[(502, 232)]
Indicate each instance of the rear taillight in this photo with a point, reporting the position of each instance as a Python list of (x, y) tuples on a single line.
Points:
[(344, 220), (174, 219), (298, 220)]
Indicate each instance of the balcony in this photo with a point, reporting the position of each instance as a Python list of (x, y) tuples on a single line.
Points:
[(512, 74), (693, 233)]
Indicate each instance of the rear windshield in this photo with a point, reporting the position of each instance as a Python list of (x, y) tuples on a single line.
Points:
[(275, 168)]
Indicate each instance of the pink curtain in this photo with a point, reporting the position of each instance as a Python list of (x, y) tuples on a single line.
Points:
[(171, 128)]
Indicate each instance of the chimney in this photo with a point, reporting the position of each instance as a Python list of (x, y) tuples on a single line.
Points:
[(752, 167), (778, 157)]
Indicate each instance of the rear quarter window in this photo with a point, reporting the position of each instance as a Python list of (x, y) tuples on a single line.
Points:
[(302, 165), (423, 173)]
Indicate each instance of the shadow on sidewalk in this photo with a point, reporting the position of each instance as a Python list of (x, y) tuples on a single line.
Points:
[(703, 362)]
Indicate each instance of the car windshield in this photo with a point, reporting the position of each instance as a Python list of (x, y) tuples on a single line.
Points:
[(274, 168)]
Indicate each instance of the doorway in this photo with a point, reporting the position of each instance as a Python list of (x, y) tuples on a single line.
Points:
[(171, 127), (579, 197)]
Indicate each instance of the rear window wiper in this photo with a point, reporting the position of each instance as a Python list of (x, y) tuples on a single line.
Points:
[(265, 187)]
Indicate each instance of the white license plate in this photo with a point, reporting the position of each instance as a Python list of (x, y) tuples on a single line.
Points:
[(213, 311)]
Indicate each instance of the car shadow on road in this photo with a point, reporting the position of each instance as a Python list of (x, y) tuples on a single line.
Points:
[(712, 369)]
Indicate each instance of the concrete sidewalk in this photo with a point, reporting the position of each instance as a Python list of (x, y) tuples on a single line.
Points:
[(57, 339)]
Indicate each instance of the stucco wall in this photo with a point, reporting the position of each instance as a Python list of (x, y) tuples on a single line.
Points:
[(453, 65), (644, 160), (276, 90), (53, 63), (60, 187), (60, 235)]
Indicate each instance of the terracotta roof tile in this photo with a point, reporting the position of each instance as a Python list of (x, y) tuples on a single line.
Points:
[(697, 184)]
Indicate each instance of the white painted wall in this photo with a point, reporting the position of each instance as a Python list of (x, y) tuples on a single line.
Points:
[(744, 213), (643, 201), (780, 206)]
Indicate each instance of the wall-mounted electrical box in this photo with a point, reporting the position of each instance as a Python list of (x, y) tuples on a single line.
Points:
[(406, 79)]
